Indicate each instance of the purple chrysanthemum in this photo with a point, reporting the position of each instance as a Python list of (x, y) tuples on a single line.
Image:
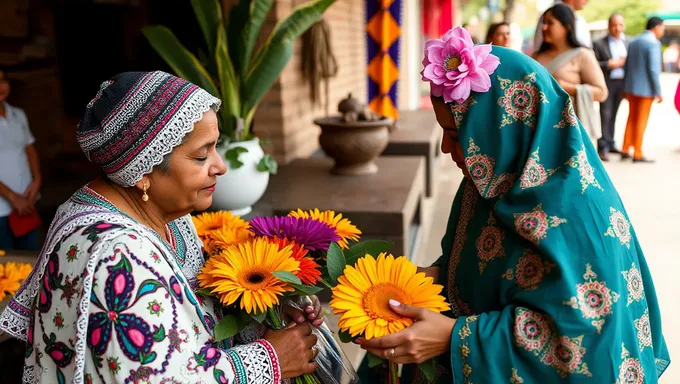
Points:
[(313, 234)]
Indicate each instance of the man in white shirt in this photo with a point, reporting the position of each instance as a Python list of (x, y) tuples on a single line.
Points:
[(19, 171), (611, 52), (582, 29)]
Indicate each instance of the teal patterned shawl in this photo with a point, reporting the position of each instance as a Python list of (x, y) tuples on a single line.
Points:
[(541, 264)]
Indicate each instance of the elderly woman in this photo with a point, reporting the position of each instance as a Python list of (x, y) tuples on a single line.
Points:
[(545, 276), (112, 298)]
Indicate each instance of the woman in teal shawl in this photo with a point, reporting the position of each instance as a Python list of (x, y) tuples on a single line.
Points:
[(541, 266)]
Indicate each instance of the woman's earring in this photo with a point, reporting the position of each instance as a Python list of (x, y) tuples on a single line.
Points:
[(145, 197)]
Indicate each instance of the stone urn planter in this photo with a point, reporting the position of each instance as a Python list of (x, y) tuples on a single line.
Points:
[(354, 139)]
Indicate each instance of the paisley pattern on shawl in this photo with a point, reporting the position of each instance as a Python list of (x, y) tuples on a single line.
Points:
[(541, 301), (114, 302)]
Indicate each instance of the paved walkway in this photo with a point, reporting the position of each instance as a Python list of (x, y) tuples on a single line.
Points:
[(651, 195)]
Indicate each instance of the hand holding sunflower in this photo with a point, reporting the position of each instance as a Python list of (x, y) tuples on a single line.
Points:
[(428, 337)]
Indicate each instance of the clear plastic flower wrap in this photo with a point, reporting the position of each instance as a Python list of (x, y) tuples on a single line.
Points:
[(334, 366)]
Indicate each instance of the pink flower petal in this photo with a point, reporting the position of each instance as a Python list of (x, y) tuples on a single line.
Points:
[(462, 91), (439, 71), (430, 74), (436, 90), (479, 81), (481, 52), (490, 64), (434, 54)]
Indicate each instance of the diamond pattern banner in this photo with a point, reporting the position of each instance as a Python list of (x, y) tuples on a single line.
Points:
[(383, 35)]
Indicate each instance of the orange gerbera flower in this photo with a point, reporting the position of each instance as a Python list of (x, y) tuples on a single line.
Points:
[(309, 272), (362, 295), (343, 227), (243, 272), (220, 229)]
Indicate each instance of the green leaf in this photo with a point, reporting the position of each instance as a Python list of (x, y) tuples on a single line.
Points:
[(335, 260), (373, 360), (229, 84), (232, 156), (429, 369), (371, 247), (209, 15), (268, 164), (159, 334), (226, 328), (287, 277), (345, 337), (204, 292), (245, 23), (324, 282), (306, 290), (259, 317), (183, 62), (277, 51), (147, 358)]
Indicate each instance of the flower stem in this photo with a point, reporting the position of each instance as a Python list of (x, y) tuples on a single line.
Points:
[(394, 376)]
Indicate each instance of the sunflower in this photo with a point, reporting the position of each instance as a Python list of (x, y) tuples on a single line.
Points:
[(11, 277), (208, 222), (309, 272), (245, 271), (343, 227), (362, 295)]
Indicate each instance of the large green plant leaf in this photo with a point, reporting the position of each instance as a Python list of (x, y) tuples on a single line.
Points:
[(245, 23), (277, 51), (183, 62), (229, 83), (209, 15)]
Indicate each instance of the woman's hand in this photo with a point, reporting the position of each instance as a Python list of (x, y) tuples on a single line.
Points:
[(432, 272), (311, 312), (428, 337), (293, 346)]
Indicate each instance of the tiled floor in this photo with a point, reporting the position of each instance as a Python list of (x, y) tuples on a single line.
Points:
[(652, 198)]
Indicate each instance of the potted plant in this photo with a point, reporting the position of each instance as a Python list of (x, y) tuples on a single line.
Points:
[(231, 70)]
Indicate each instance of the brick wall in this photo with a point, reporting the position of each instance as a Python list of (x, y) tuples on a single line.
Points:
[(286, 114)]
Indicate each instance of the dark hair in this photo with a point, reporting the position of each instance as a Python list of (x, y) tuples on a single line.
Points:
[(653, 22), (566, 16), (613, 15), (492, 30)]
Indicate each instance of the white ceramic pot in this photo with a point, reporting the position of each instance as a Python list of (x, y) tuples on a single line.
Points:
[(238, 189)]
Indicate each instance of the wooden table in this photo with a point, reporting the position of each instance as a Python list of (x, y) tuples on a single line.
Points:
[(417, 133), (385, 206)]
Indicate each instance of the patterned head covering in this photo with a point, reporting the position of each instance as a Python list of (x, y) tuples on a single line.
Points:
[(136, 119), (540, 261)]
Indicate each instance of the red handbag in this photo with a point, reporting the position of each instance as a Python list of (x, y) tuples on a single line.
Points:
[(21, 225)]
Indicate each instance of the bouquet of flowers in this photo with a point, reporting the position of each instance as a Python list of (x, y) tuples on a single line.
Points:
[(11, 276), (253, 266), (361, 299)]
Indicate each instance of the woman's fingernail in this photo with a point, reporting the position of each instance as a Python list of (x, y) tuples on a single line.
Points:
[(312, 316), (394, 303)]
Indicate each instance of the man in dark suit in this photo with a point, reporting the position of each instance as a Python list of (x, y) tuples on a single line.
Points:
[(611, 52)]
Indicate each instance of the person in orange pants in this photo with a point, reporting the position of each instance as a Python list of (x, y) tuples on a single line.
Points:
[(642, 86), (636, 126)]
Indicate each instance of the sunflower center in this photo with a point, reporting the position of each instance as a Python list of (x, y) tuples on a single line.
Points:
[(254, 279), (451, 63), (376, 301)]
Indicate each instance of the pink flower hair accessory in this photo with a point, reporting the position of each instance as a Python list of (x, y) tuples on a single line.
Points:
[(454, 66)]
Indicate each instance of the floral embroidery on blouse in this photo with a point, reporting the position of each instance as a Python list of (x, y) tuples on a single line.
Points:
[(634, 285), (521, 100), (481, 168), (537, 334), (594, 299), (458, 307), (529, 271), (515, 378), (460, 110), (490, 243), (644, 331), (581, 163), (72, 253), (534, 173), (534, 225), (568, 116), (619, 227), (630, 370)]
